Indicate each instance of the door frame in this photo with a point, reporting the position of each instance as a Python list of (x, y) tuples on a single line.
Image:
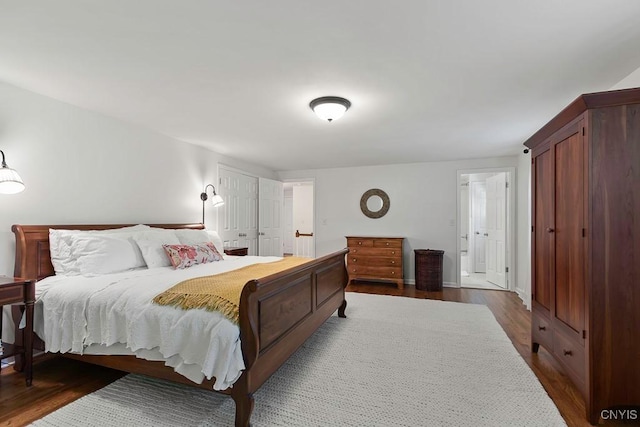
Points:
[(510, 261)]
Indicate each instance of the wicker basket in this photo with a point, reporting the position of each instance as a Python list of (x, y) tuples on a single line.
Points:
[(429, 269)]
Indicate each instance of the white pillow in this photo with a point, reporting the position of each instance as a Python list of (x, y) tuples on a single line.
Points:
[(63, 259), (217, 241), (194, 237), (105, 254), (150, 244)]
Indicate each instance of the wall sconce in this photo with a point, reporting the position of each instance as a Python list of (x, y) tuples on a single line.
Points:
[(10, 181), (330, 107), (216, 200)]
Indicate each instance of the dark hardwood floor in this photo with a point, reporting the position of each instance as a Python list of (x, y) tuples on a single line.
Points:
[(58, 381)]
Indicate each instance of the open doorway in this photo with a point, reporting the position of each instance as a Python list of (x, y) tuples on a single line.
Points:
[(299, 218), (485, 218)]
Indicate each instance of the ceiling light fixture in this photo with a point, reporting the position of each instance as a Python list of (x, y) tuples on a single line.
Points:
[(330, 108)]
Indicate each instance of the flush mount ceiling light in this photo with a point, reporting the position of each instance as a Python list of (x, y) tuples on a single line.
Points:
[(330, 107)]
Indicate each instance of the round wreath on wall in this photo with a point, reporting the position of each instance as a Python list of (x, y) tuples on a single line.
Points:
[(374, 203)]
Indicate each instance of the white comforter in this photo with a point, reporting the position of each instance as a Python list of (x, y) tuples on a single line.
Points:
[(114, 314)]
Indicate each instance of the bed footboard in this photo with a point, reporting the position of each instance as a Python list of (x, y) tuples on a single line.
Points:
[(277, 315)]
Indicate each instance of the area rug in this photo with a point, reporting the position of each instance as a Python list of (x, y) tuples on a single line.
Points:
[(394, 361)]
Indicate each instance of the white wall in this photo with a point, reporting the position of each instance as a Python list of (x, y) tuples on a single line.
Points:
[(423, 206), (83, 167), (632, 80), (523, 225)]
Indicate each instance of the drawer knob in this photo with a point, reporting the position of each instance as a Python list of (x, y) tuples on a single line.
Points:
[(542, 328), (393, 252), (567, 352), (393, 262), (355, 259), (354, 270), (387, 243), (354, 251), (393, 272), (359, 243)]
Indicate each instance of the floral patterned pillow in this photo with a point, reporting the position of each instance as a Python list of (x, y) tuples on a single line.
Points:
[(183, 256)]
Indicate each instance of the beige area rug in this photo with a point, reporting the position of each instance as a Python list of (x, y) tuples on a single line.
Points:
[(393, 362)]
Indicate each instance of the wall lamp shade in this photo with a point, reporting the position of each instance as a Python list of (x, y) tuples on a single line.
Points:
[(330, 108), (216, 200), (10, 181)]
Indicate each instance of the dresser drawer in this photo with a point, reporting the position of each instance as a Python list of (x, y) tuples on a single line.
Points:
[(387, 243), (381, 272), (386, 252), (571, 354), (354, 242), (541, 331), (372, 261)]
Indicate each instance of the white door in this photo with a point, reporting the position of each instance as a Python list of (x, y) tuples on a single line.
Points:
[(496, 229), (289, 233), (303, 219), (479, 215), (238, 217), (270, 211)]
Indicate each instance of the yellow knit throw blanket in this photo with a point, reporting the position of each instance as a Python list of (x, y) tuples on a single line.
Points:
[(221, 292)]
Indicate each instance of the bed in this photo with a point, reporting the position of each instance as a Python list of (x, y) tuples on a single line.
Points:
[(277, 313)]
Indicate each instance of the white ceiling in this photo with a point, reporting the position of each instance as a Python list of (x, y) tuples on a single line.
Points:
[(429, 80)]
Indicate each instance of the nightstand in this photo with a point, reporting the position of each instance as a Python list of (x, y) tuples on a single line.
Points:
[(14, 290), (236, 251)]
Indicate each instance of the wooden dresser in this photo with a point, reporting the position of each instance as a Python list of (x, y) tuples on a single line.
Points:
[(375, 258), (586, 252)]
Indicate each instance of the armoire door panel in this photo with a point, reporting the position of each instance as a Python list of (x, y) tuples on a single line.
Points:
[(543, 240), (568, 232)]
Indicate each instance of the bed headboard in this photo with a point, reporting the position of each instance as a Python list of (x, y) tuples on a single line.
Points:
[(33, 260)]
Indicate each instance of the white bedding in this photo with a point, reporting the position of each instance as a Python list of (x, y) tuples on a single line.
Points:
[(114, 314)]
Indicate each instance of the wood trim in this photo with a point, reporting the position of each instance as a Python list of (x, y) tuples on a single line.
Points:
[(579, 106)]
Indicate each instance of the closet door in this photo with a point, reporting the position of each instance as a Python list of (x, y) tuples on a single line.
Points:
[(238, 217), (543, 216), (569, 231)]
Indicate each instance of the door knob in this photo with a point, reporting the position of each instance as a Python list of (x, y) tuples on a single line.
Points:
[(550, 230), (477, 232), (486, 234), (261, 234)]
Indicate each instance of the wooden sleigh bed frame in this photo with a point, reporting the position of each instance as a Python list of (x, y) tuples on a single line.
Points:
[(277, 313)]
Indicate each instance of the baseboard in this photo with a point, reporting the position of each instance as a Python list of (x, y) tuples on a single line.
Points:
[(412, 282), (526, 299)]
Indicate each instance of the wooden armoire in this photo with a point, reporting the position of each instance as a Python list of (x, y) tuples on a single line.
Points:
[(586, 246)]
